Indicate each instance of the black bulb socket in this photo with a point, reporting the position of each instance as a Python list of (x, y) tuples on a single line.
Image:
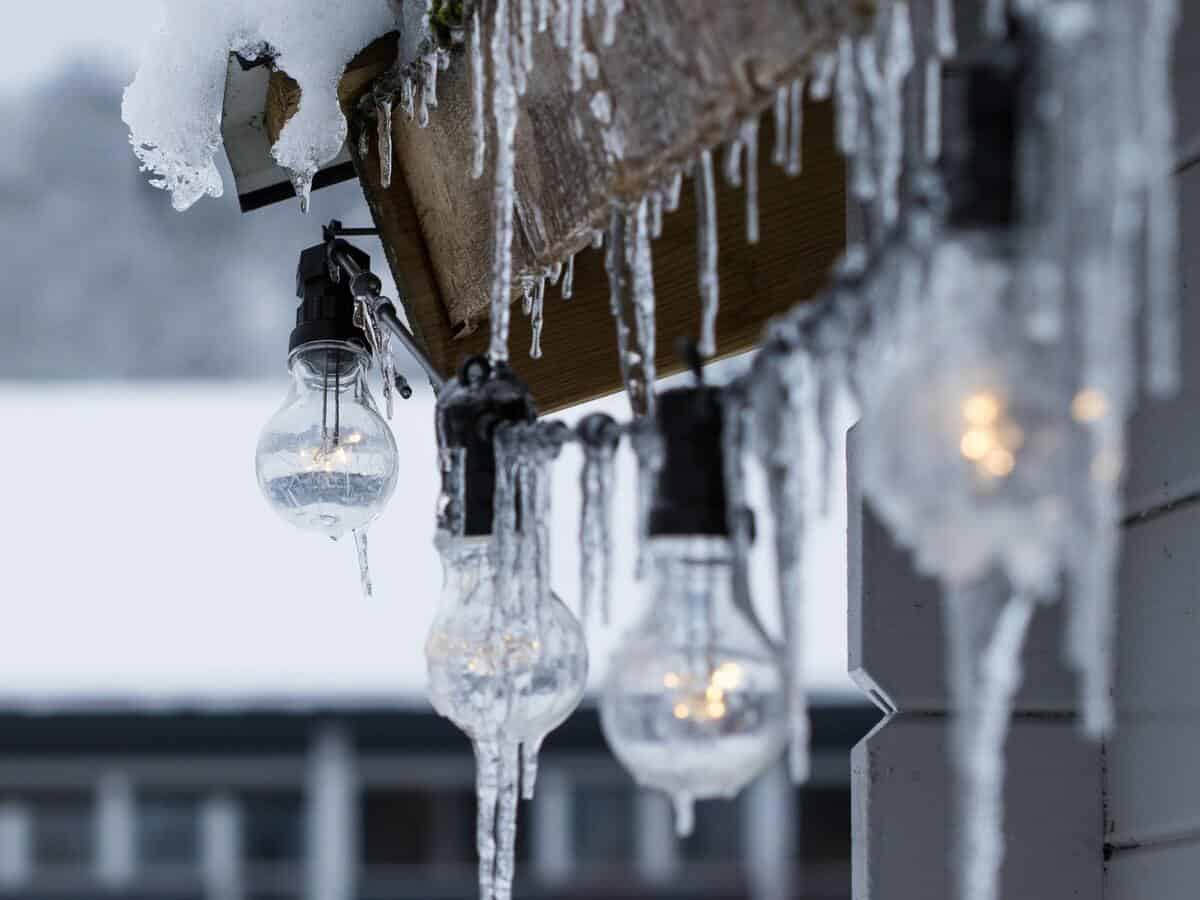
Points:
[(689, 492), (326, 311)]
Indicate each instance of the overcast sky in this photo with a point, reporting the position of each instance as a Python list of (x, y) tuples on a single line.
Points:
[(39, 37)]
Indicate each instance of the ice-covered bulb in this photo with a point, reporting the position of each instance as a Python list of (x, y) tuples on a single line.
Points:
[(327, 460), (500, 677), (695, 701)]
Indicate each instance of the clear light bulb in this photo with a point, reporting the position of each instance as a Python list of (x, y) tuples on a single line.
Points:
[(496, 679), (695, 700), (326, 460)]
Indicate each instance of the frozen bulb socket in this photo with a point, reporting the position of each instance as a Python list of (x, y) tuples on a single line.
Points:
[(471, 407), (689, 495), (984, 97), (326, 311)]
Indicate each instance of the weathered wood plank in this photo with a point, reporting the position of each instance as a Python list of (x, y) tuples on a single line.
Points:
[(803, 230)]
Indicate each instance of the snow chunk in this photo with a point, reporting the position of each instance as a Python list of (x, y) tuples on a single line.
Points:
[(173, 107)]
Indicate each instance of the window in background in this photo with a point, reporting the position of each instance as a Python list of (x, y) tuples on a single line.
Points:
[(273, 828), (63, 829), (603, 820), (168, 831), (397, 827)]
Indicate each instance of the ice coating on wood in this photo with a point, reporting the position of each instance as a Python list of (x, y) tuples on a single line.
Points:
[(364, 568), (173, 107), (706, 242)]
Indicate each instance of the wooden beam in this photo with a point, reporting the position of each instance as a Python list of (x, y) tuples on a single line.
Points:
[(802, 223)]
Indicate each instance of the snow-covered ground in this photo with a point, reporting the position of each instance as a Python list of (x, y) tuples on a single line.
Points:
[(141, 566)]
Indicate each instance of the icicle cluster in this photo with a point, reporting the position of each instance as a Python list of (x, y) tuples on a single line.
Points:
[(507, 659), (513, 26), (414, 86)]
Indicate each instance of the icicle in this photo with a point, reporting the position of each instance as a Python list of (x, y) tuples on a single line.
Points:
[(647, 447), (529, 767), (575, 44), (596, 481), (612, 9), (656, 215), (781, 395), (639, 261), (846, 99), (429, 89), (504, 110), (527, 25), (537, 318), (944, 39), (706, 241), (423, 110), (821, 86), (506, 821), (933, 110), (478, 86), (796, 133), (407, 98), (568, 281), (1161, 263), (364, 143), (597, 239), (302, 184), (779, 155), (562, 23), (733, 163), (364, 569), (685, 814), (487, 795), (526, 295), (749, 134), (543, 19), (615, 266), (981, 732), (555, 273), (384, 119), (674, 189)]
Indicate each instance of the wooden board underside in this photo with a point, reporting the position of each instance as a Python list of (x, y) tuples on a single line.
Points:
[(802, 232)]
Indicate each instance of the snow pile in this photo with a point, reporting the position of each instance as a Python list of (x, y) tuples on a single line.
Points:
[(173, 108)]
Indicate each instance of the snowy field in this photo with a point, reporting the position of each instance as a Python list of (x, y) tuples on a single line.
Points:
[(142, 567)]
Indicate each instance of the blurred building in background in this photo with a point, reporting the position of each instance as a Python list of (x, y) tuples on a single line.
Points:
[(377, 804)]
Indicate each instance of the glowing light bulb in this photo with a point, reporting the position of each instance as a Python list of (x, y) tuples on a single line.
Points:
[(500, 681), (326, 460), (695, 701)]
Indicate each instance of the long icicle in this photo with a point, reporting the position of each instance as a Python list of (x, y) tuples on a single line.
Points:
[(706, 240), (982, 764), (478, 89), (749, 135), (504, 110)]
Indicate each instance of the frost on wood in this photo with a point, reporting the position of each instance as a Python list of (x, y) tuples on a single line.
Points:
[(173, 107)]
